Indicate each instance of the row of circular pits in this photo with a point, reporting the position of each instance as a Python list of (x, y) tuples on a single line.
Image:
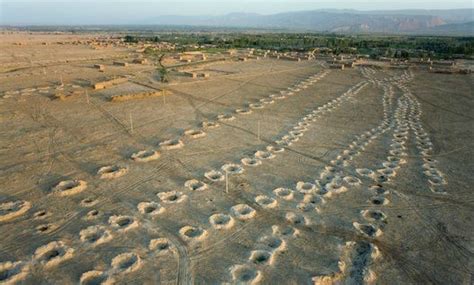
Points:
[(234, 168), (333, 181), (260, 104), (393, 162), (332, 104), (264, 255), (301, 127), (171, 144), (358, 145), (382, 175), (396, 150), (219, 221), (127, 262), (354, 149), (435, 177), (387, 100), (264, 101), (196, 233), (312, 199), (374, 217), (74, 187), (309, 202)]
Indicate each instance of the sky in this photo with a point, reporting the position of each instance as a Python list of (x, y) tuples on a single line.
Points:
[(17, 12)]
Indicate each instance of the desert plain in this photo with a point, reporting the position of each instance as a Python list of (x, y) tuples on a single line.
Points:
[(268, 172)]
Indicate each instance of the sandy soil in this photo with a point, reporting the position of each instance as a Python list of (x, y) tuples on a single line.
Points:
[(360, 176)]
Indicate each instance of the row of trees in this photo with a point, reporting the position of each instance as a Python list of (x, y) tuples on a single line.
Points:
[(444, 47)]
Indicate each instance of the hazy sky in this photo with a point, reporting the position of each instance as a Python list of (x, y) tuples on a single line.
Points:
[(123, 12)]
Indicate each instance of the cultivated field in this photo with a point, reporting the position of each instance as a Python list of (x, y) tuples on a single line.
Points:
[(269, 172)]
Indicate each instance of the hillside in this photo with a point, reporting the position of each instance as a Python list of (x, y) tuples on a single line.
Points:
[(347, 21)]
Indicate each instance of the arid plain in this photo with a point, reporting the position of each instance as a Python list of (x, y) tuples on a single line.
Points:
[(267, 172)]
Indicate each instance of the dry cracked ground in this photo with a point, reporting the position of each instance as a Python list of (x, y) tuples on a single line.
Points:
[(272, 172)]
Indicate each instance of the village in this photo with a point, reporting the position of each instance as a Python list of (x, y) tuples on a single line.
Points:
[(129, 58)]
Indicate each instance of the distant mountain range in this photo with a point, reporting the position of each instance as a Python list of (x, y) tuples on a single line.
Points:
[(445, 22)]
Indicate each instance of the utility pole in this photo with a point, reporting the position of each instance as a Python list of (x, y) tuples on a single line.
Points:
[(226, 182), (258, 130)]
